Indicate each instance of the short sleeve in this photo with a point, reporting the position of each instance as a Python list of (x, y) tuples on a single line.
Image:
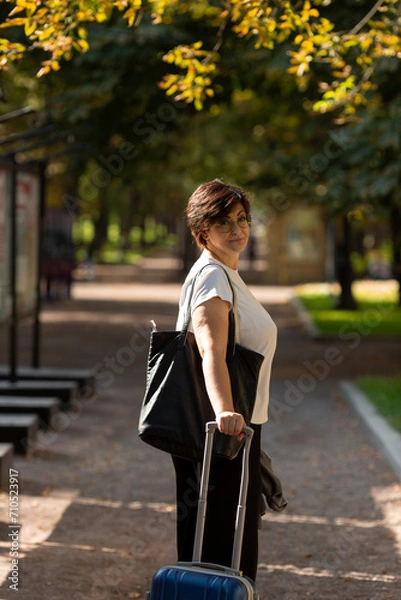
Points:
[(212, 282)]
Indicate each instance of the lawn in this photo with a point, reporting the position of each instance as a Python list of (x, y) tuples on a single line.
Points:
[(385, 394), (377, 314)]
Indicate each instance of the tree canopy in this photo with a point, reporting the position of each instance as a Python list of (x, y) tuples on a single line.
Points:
[(343, 54), (276, 78)]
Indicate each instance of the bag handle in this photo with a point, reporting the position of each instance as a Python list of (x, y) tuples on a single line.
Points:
[(211, 427)]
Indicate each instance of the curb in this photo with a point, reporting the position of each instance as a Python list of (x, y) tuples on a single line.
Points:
[(313, 331), (305, 318), (386, 438)]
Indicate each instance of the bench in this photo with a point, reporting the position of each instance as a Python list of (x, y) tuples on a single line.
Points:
[(84, 378), (45, 408), (66, 391), (6, 460), (19, 430)]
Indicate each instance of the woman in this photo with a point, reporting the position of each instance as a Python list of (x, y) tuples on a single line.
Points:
[(219, 219)]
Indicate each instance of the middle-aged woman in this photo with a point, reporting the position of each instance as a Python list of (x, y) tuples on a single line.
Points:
[(219, 219)]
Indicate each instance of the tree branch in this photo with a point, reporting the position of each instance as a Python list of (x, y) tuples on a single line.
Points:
[(366, 18)]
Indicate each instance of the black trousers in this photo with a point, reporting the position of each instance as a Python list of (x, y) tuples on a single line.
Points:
[(225, 477)]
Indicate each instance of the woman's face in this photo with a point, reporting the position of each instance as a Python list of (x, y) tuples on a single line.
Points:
[(231, 243)]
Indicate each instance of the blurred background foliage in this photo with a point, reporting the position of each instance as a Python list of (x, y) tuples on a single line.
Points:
[(286, 134)]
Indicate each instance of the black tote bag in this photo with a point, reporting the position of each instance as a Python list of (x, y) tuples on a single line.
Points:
[(176, 405)]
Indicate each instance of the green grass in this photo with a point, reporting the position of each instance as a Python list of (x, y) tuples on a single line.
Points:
[(377, 314), (115, 256), (385, 394)]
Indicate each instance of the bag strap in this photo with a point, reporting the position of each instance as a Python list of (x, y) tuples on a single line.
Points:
[(232, 315)]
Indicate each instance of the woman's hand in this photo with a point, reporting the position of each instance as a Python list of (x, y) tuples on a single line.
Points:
[(231, 423)]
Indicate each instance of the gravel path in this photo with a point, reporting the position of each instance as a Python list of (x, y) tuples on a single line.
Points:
[(97, 505)]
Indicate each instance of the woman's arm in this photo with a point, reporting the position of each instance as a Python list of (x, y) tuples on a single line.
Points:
[(210, 323)]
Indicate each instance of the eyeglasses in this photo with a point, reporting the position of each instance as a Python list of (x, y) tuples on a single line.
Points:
[(226, 225)]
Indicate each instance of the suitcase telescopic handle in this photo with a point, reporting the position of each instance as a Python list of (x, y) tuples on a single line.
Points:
[(211, 427)]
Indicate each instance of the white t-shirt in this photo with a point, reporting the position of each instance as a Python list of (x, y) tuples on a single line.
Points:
[(257, 330)]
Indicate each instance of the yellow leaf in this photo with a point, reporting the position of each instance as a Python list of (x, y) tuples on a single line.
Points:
[(103, 14), (46, 34), (14, 23), (16, 10), (30, 7), (83, 45), (29, 28), (186, 95), (307, 45), (130, 15), (172, 90), (43, 71)]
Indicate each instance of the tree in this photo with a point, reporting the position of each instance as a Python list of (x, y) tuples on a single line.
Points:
[(348, 57), (366, 179), (217, 50), (109, 101)]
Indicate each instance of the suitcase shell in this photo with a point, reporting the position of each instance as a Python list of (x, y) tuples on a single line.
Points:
[(181, 582), (203, 581)]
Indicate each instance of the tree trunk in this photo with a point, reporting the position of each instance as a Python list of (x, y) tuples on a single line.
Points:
[(395, 223), (344, 272), (127, 221), (142, 225), (101, 225)]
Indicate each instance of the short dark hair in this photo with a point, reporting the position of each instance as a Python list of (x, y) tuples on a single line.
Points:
[(210, 202)]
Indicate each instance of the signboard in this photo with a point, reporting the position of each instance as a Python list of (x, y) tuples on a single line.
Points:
[(4, 245), (28, 199), (303, 239)]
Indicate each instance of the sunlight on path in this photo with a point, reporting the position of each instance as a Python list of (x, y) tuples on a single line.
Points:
[(39, 515), (389, 501)]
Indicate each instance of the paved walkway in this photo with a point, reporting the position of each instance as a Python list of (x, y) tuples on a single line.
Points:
[(97, 505)]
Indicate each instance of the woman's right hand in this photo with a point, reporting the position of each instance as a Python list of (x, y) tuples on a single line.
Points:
[(231, 423)]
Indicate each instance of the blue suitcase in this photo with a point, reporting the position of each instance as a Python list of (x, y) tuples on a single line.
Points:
[(202, 581)]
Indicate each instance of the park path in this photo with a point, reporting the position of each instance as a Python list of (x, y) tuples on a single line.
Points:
[(97, 505)]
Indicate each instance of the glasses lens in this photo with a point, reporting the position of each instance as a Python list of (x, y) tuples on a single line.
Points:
[(227, 225), (244, 221)]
